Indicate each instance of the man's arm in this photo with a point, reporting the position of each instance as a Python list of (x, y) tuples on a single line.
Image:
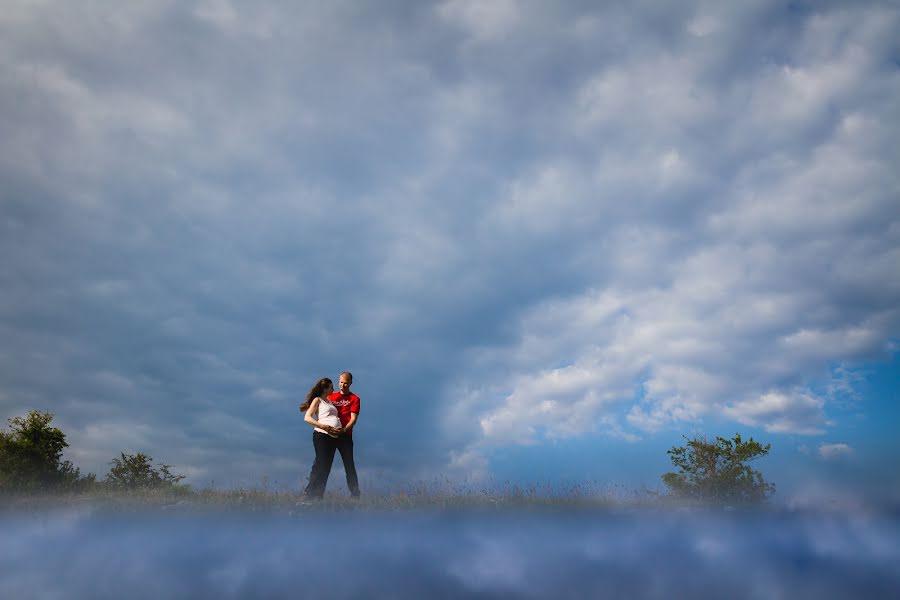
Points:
[(349, 426)]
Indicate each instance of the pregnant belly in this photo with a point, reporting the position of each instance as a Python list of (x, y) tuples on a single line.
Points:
[(331, 420)]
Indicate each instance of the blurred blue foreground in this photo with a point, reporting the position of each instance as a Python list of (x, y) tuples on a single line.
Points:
[(70, 553)]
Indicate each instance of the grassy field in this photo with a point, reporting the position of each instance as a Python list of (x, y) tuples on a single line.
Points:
[(420, 495)]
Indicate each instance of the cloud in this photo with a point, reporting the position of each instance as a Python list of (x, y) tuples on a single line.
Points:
[(834, 451), (782, 413), (482, 21), (726, 297), (516, 224)]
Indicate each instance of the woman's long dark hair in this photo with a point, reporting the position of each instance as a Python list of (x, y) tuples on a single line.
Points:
[(315, 392)]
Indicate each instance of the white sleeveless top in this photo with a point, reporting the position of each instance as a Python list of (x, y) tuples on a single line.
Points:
[(327, 414)]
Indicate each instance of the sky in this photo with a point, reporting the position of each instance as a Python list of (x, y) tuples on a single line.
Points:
[(548, 239)]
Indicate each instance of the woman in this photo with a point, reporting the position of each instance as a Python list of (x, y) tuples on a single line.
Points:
[(323, 416)]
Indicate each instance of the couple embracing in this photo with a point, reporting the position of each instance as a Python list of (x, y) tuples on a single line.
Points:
[(333, 416)]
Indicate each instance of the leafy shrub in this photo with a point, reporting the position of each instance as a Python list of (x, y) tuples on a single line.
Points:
[(135, 471), (30, 456), (716, 471)]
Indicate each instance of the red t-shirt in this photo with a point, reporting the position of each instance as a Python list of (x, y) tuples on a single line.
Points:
[(345, 405)]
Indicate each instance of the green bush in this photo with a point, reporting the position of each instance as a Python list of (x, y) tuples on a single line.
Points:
[(716, 471), (30, 456), (135, 471)]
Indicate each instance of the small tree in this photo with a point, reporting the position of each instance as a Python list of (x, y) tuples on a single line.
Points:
[(135, 471), (30, 456), (717, 471)]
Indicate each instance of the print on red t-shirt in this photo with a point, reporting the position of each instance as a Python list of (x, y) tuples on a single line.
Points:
[(345, 405)]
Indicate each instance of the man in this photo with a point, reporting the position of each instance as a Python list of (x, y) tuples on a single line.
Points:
[(348, 412)]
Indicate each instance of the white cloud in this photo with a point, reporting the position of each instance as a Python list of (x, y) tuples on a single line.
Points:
[(735, 316), (831, 451), (482, 20), (469, 464), (778, 412), (704, 25)]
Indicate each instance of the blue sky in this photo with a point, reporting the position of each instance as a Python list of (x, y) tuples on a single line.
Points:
[(547, 238)]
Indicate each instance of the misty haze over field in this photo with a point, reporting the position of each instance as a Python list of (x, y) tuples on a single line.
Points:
[(470, 554)]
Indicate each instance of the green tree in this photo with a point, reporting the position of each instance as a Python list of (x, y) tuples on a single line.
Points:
[(136, 471), (716, 471), (30, 456)]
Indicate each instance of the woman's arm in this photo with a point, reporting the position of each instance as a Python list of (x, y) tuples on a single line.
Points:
[(313, 407)]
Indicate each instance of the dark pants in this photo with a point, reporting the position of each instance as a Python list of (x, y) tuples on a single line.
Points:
[(325, 446)]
